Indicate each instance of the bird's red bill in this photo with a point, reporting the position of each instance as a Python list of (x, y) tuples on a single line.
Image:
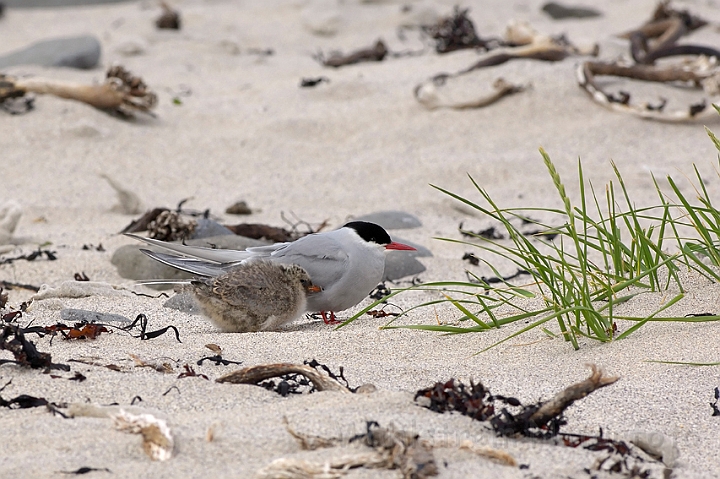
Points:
[(399, 246)]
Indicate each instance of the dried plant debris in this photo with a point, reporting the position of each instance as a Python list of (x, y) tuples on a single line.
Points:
[(311, 82), (376, 53), (142, 321), (239, 208), (456, 32), (261, 231), (294, 378), (380, 291), (522, 42), (122, 93), (217, 358), (3, 297), (158, 442), (84, 470), (81, 277), (12, 338), (80, 330), (12, 285), (541, 420), (714, 405), (37, 254), (190, 373), (141, 224), (24, 401), (169, 19), (389, 448), (159, 366), (654, 40), (171, 226)]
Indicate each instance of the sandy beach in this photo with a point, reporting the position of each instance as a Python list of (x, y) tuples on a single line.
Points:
[(232, 123)]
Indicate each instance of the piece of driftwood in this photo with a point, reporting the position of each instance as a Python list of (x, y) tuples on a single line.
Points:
[(701, 73), (653, 40), (376, 53), (256, 374), (528, 44), (121, 93), (562, 400)]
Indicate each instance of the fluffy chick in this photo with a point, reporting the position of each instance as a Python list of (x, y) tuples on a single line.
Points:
[(254, 296)]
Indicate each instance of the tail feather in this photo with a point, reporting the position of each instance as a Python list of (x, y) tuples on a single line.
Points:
[(191, 265), (199, 252)]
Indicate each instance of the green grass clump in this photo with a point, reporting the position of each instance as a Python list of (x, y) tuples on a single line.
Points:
[(605, 252)]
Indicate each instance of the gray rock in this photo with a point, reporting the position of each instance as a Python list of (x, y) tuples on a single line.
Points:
[(131, 263), (657, 444), (74, 52), (392, 220), (184, 302), (398, 265), (420, 250), (207, 228), (90, 316)]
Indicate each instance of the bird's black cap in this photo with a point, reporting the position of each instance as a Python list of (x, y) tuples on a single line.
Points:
[(370, 232)]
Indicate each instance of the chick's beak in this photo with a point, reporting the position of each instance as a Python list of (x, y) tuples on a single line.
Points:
[(314, 289), (399, 246)]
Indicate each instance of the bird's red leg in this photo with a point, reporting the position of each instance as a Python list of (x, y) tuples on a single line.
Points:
[(330, 320)]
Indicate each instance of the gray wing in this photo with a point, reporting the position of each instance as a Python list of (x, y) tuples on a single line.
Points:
[(208, 254), (321, 256)]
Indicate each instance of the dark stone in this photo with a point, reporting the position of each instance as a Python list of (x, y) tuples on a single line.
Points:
[(131, 263), (74, 52), (560, 12), (392, 220), (77, 315)]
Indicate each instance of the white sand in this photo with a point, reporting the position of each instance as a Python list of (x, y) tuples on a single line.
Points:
[(358, 144)]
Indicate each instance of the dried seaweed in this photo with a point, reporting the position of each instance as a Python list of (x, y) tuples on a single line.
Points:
[(80, 330), (714, 405), (380, 291), (239, 208), (39, 253), (12, 338), (456, 32), (540, 420), (11, 285), (85, 470), (311, 82), (262, 231), (81, 277), (25, 401), (142, 321), (169, 19), (141, 224), (171, 226), (190, 373)]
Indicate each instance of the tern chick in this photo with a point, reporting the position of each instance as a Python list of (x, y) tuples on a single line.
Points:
[(254, 296)]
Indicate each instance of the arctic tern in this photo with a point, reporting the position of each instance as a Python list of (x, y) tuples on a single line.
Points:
[(347, 263)]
